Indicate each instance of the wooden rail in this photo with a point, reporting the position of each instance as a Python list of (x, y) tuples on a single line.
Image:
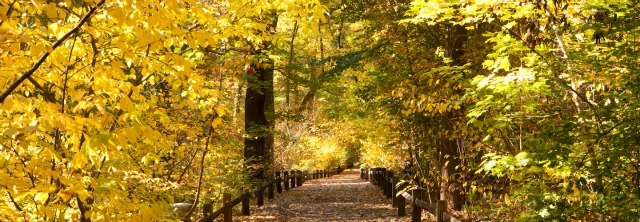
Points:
[(386, 180), (289, 180)]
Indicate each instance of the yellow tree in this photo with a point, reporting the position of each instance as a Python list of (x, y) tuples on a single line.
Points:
[(106, 104)]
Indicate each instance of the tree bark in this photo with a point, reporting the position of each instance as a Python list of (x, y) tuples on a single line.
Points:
[(451, 189), (259, 108)]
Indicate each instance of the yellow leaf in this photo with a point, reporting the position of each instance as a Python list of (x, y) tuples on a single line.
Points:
[(41, 197), (51, 11), (126, 104), (216, 122), (60, 121), (135, 218), (79, 161), (122, 141), (53, 27), (220, 110), (10, 131), (146, 213), (99, 107), (8, 102)]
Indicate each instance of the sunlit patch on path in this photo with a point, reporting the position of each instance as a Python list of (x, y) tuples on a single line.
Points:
[(343, 197)]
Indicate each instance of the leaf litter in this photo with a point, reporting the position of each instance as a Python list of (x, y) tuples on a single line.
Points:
[(343, 197)]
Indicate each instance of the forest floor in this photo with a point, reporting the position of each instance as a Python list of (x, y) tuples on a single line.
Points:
[(343, 197)]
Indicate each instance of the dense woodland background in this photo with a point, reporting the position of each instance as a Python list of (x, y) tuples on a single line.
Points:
[(509, 110)]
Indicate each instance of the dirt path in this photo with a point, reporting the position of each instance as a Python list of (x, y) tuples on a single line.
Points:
[(343, 197)]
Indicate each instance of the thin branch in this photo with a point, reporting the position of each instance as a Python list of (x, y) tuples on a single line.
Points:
[(9, 10), (187, 167), (83, 209), (68, 10), (13, 201), (48, 96), (44, 57), (187, 216), (24, 164)]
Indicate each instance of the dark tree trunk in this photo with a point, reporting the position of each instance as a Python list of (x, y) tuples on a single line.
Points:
[(259, 109), (451, 188)]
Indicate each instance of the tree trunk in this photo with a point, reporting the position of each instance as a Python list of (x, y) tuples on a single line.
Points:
[(259, 108), (451, 189)]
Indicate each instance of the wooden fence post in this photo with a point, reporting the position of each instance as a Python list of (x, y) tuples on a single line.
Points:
[(389, 182), (207, 210), (304, 177), (374, 178), (228, 209), (286, 180), (441, 207), (270, 193), (416, 211), (278, 182), (369, 174), (401, 206), (383, 179), (299, 178), (394, 191), (259, 195), (383, 185), (293, 179), (246, 211)]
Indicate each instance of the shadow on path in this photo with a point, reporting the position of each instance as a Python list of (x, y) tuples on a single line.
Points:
[(343, 197)]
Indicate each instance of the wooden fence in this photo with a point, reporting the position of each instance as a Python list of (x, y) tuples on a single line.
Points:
[(386, 180), (286, 179)]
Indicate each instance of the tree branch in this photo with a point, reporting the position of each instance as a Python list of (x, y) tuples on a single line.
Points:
[(48, 96), (187, 216), (13, 200), (44, 57), (9, 10)]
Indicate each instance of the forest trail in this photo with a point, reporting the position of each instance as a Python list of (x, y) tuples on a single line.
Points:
[(343, 197)]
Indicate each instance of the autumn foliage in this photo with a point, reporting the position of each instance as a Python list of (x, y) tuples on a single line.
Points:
[(114, 110)]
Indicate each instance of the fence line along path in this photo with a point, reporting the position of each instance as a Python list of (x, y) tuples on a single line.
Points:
[(342, 197)]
